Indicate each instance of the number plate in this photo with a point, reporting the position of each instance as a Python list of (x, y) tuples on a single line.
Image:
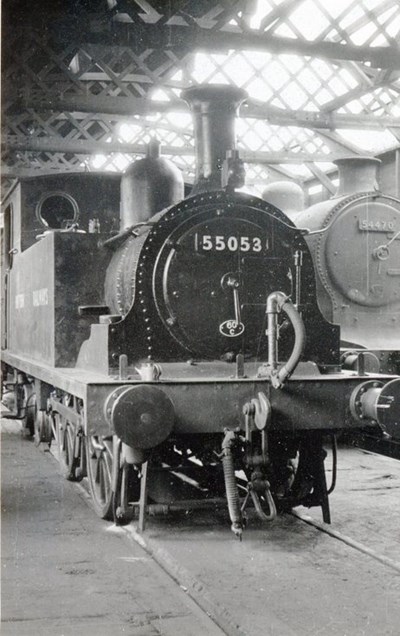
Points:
[(230, 244), (376, 225)]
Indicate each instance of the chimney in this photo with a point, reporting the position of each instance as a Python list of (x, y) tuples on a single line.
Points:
[(214, 110), (357, 174)]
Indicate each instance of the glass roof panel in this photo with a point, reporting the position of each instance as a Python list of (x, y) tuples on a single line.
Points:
[(393, 27), (286, 85), (374, 141), (337, 8), (382, 101), (308, 28), (297, 170), (292, 82)]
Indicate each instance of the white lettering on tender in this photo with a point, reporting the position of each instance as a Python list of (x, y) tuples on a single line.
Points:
[(19, 301), (40, 297)]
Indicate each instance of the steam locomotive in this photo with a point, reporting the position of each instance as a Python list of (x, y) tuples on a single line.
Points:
[(181, 359), (362, 295), (354, 241)]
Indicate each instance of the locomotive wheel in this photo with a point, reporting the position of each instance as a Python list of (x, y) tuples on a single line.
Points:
[(68, 457), (99, 473), (43, 428), (54, 429), (26, 401), (28, 422)]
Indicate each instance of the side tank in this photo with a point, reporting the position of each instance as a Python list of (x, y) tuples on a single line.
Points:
[(355, 245)]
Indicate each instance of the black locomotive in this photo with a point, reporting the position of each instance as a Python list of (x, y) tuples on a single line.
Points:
[(181, 359)]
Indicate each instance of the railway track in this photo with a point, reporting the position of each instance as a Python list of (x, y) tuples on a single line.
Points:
[(352, 543), (65, 572), (180, 575), (294, 577), (190, 548), (303, 517)]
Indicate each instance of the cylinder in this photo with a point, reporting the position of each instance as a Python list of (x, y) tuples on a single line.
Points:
[(214, 109), (357, 174), (288, 196), (149, 185)]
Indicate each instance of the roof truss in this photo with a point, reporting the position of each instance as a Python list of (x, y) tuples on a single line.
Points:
[(66, 91)]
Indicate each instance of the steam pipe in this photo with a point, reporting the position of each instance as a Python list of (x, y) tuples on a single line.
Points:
[(214, 109), (277, 302), (299, 342)]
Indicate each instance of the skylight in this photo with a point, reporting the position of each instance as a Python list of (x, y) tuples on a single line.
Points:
[(374, 141), (289, 94)]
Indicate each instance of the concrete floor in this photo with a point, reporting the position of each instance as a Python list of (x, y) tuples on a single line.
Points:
[(290, 579), (66, 572), (366, 502)]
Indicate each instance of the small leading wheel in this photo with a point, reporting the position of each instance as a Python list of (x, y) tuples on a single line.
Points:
[(99, 472), (68, 449)]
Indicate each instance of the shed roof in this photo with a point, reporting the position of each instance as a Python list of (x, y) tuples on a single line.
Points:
[(86, 85)]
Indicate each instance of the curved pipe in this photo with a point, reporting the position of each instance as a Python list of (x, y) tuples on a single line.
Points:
[(299, 342), (277, 302)]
